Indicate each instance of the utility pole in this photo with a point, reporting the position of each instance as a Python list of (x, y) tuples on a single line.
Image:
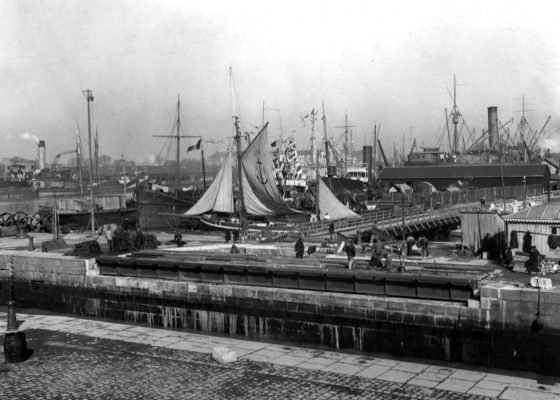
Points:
[(177, 137), (346, 147), (89, 97)]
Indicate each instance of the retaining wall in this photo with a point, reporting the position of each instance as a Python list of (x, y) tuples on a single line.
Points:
[(494, 331)]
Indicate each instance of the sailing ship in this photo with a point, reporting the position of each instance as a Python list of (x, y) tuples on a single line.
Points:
[(258, 196), (159, 209)]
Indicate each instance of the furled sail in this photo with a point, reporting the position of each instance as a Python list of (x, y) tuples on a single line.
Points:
[(260, 192), (219, 196), (328, 203)]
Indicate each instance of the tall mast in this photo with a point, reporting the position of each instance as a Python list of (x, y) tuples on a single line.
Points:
[(346, 147), (178, 138), (326, 139), (96, 157), (243, 210), (317, 183), (346, 142), (202, 157), (177, 168), (89, 97), (455, 118), (79, 159), (124, 179), (314, 158)]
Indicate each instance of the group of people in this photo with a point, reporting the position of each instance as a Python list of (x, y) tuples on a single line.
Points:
[(422, 243), (124, 236)]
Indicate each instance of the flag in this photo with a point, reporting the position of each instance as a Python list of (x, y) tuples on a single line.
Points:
[(194, 146)]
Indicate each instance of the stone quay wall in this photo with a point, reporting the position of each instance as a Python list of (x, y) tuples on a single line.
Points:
[(494, 330)]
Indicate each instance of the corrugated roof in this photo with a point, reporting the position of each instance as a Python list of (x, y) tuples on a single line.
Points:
[(464, 171), (542, 212)]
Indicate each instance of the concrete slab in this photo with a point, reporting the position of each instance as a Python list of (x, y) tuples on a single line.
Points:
[(422, 382), (290, 360), (182, 345), (485, 392), (432, 376), (246, 344), (265, 355), (455, 385), (410, 367), (343, 368), (308, 365), (436, 369), (373, 371), (324, 361), (467, 375), (357, 360), (524, 394), (397, 376), (490, 385), (126, 333), (283, 349)]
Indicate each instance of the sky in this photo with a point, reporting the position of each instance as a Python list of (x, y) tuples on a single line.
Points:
[(390, 64)]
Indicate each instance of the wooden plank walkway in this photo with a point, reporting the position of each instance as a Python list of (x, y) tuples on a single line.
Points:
[(415, 220)]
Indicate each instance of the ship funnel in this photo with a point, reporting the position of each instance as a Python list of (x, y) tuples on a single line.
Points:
[(493, 135), (42, 155)]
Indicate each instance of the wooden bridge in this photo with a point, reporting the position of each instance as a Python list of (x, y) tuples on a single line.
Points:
[(412, 220)]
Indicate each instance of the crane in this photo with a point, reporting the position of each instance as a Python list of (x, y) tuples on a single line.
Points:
[(54, 164)]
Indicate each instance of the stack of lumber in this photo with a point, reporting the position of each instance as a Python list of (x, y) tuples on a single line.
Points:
[(89, 248), (6, 231), (150, 241), (55, 246)]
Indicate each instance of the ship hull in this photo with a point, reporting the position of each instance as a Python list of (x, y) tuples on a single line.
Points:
[(81, 220), (157, 210)]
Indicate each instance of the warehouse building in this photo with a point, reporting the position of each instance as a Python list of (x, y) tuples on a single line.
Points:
[(476, 176)]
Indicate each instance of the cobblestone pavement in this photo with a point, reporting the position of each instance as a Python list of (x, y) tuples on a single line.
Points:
[(82, 358)]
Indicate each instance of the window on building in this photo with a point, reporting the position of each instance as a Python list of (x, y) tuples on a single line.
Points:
[(554, 230)]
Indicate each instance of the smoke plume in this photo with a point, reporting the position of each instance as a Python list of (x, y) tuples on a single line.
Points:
[(29, 136)]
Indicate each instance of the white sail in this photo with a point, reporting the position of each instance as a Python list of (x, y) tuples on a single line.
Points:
[(219, 196), (260, 192), (328, 203)]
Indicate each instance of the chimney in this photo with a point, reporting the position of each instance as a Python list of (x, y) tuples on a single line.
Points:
[(493, 136), (42, 156)]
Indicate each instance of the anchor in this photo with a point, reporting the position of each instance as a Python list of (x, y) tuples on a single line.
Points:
[(262, 180)]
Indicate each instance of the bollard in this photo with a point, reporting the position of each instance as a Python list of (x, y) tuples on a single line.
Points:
[(12, 323), (31, 247)]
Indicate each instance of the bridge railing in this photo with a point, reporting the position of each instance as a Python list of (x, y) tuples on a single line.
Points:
[(382, 219)]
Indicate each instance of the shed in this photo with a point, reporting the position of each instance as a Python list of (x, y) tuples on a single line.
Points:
[(483, 230), (487, 175), (542, 222)]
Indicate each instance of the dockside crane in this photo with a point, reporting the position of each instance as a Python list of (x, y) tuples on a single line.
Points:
[(54, 164)]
